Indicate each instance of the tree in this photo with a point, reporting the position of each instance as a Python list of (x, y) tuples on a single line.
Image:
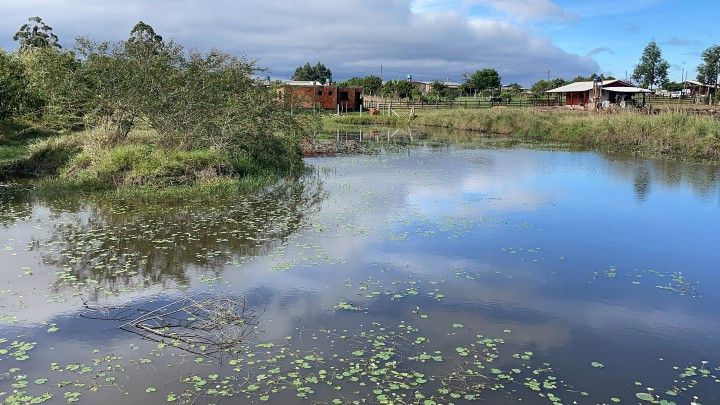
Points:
[(318, 73), (143, 39), (540, 88), (482, 80), (511, 90), (13, 84), (370, 84), (652, 69), (441, 91), (709, 69), (592, 77), (53, 86), (673, 86), (399, 89), (36, 34)]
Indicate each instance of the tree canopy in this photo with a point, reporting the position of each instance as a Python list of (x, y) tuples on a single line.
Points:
[(370, 84), (540, 87), (318, 73), (592, 77), (399, 89), (484, 79), (13, 85), (143, 38), (709, 69), (652, 69), (36, 34), (441, 91)]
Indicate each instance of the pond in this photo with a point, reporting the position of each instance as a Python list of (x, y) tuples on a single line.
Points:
[(421, 272)]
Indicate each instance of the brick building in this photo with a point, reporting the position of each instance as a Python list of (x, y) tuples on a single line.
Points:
[(327, 97)]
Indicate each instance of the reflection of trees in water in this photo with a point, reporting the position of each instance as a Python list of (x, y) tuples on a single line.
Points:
[(641, 181), (15, 204), (117, 248), (702, 179), (374, 140)]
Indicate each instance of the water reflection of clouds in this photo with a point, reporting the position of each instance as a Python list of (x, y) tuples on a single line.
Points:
[(348, 236)]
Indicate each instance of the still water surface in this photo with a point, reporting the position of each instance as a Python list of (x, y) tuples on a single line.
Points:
[(417, 275)]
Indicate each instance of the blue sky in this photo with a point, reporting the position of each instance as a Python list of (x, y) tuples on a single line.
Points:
[(429, 39), (612, 32), (615, 32)]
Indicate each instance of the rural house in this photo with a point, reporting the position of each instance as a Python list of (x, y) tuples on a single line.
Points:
[(308, 94), (607, 92)]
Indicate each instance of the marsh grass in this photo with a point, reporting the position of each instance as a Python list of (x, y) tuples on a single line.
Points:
[(671, 133)]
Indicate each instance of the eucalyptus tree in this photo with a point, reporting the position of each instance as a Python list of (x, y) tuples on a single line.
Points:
[(709, 69), (652, 70), (36, 34)]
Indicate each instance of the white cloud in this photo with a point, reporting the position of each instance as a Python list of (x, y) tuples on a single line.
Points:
[(440, 39), (528, 10)]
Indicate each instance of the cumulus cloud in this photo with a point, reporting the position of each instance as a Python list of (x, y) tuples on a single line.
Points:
[(352, 37)]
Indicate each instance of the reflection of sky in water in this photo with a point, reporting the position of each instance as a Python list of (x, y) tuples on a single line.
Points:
[(513, 239)]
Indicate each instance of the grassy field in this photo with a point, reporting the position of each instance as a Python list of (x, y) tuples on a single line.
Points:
[(669, 133)]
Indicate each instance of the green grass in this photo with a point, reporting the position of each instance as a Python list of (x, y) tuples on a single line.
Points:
[(353, 120), (83, 163), (672, 133), (15, 138)]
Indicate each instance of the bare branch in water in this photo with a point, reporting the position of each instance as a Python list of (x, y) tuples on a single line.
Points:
[(202, 324)]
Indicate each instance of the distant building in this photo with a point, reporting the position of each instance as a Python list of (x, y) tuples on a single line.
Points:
[(616, 92), (426, 87), (308, 94), (694, 88)]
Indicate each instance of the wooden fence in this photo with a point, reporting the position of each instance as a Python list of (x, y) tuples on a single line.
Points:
[(422, 105)]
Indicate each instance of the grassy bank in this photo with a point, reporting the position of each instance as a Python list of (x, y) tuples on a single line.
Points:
[(676, 134), (142, 168), (671, 133), (16, 137), (350, 121)]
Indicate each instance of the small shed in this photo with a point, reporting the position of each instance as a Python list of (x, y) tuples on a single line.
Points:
[(698, 89), (615, 92), (308, 94)]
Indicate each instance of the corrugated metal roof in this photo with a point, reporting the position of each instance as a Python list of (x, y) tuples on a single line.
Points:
[(626, 89), (573, 87), (697, 83), (581, 86)]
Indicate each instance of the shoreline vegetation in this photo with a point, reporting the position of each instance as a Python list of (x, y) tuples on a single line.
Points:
[(672, 134), (144, 117)]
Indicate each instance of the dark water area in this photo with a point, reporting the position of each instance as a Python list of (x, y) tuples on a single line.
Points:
[(423, 272)]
